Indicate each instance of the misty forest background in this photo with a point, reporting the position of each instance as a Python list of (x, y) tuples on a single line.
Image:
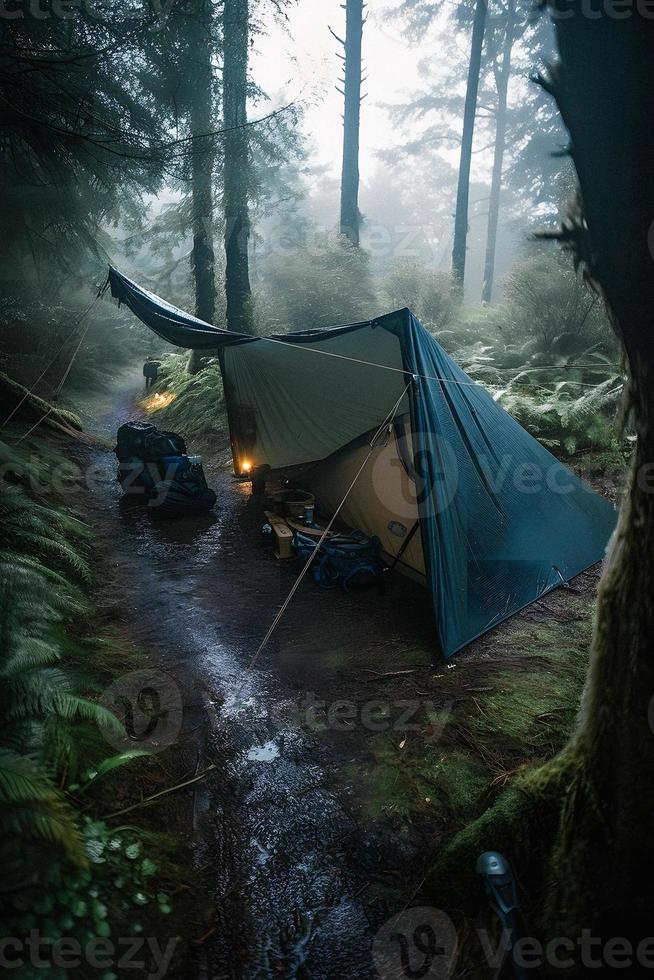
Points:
[(106, 158), (148, 142)]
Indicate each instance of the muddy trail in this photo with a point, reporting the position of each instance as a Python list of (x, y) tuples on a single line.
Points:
[(286, 859), (300, 871)]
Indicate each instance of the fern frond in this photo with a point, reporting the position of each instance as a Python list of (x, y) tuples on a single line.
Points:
[(22, 779)]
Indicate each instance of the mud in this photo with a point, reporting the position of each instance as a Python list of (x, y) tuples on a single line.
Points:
[(299, 873), (275, 829)]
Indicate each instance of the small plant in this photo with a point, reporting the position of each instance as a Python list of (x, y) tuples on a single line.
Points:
[(546, 301), (116, 892)]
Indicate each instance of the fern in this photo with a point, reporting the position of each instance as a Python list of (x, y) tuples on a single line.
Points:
[(199, 403), (21, 780), (49, 726), (563, 418), (30, 805)]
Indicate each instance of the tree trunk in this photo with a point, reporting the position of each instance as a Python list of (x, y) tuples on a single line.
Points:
[(350, 215), (502, 76), (604, 855), (470, 110), (237, 166), (202, 166)]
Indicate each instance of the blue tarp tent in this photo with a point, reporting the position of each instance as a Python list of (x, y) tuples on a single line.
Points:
[(499, 520)]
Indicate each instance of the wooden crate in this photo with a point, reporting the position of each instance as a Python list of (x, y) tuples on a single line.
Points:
[(283, 535)]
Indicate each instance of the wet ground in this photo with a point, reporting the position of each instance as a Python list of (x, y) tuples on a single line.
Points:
[(286, 857), (300, 874)]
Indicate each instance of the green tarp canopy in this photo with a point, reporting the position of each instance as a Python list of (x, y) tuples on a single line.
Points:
[(501, 521)]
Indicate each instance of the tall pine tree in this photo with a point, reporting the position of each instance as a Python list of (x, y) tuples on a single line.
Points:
[(236, 168), (460, 243), (202, 118), (350, 221)]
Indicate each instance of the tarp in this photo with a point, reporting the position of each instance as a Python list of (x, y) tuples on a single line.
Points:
[(501, 520), (167, 321)]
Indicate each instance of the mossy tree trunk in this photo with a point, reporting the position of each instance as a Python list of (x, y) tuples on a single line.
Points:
[(604, 853)]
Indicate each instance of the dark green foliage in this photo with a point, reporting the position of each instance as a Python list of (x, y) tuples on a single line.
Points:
[(59, 870), (566, 420), (326, 284), (198, 409), (426, 292), (548, 355), (42, 574), (122, 890), (82, 132)]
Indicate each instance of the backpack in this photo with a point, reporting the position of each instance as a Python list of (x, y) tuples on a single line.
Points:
[(154, 468), (130, 439), (145, 441), (348, 560)]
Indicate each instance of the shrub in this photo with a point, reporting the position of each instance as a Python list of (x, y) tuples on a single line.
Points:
[(548, 302), (318, 286), (59, 865), (427, 292)]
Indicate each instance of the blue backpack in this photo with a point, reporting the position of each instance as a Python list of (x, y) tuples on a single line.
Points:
[(344, 559)]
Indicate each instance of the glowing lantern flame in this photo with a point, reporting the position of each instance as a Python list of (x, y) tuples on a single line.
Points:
[(159, 400), (246, 466)]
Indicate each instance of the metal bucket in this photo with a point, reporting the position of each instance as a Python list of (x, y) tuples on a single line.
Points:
[(295, 502)]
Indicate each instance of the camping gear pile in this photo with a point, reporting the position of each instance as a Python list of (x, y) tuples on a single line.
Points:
[(347, 559), (155, 468), (391, 435)]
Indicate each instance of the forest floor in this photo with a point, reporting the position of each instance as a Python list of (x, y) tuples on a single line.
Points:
[(343, 760)]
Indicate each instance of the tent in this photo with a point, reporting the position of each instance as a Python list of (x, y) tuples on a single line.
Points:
[(459, 494)]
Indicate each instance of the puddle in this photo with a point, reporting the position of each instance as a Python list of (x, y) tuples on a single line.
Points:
[(264, 753), (262, 853)]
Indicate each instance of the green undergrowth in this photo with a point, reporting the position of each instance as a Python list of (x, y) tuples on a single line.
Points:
[(565, 420), (123, 892), (610, 466), (67, 872), (197, 409), (480, 725), (485, 761)]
